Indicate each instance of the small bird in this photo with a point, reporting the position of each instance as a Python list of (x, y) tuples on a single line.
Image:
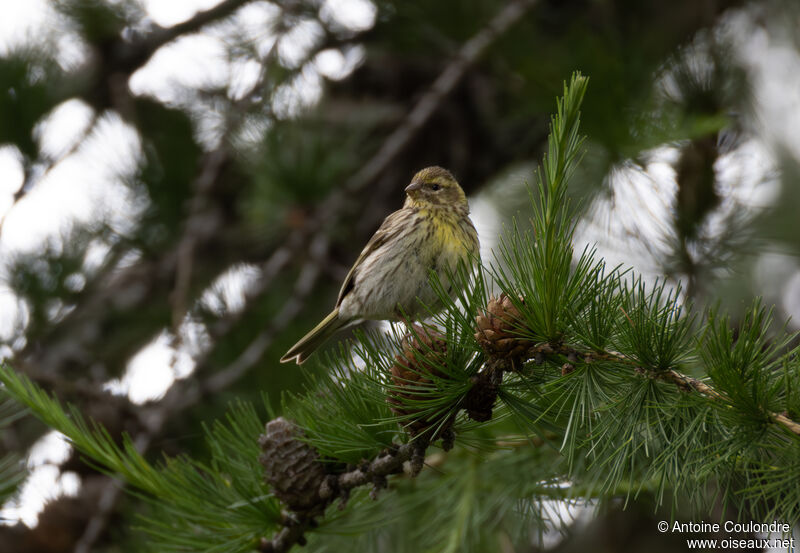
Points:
[(390, 279)]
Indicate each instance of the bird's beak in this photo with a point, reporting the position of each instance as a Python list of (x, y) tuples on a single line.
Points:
[(416, 185)]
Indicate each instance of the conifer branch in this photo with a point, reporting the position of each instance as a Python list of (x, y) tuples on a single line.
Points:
[(292, 466), (537, 319), (391, 461), (683, 382)]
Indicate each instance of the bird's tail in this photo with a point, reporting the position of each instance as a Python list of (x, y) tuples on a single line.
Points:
[(315, 338)]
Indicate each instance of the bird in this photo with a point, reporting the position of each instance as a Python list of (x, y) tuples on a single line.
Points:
[(390, 280)]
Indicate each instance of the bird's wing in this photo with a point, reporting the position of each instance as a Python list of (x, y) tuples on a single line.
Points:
[(381, 236)]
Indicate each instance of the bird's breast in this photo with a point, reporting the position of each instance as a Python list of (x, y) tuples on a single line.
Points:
[(448, 240)]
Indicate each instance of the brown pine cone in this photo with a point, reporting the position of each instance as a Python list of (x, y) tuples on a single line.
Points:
[(498, 328), (411, 371), (479, 401), (291, 466)]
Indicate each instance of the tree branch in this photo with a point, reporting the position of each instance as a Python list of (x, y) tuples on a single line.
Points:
[(290, 310), (339, 486), (683, 382), (132, 56), (467, 55), (392, 462), (196, 222)]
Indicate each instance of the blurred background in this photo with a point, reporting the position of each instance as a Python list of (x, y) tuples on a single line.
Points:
[(184, 185)]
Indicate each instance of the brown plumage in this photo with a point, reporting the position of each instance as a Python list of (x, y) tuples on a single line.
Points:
[(432, 232)]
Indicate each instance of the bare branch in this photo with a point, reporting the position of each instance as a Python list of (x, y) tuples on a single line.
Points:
[(293, 306), (97, 524), (467, 55), (135, 55), (195, 223)]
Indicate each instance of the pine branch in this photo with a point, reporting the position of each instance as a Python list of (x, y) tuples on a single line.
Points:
[(683, 381), (571, 355), (12, 468), (554, 311), (201, 500), (282, 472)]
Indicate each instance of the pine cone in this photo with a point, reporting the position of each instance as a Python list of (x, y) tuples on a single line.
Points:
[(498, 328), (410, 371), (479, 401), (291, 466)]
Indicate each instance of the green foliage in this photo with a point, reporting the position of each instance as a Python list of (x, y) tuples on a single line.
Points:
[(12, 468), (595, 410), (749, 365), (539, 261), (342, 412), (222, 505), (596, 323), (24, 98), (655, 330), (598, 405), (454, 506), (169, 165)]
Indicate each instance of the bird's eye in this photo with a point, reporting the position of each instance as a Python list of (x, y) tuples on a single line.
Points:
[(434, 187)]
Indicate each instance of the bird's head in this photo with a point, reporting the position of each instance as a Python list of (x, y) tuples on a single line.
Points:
[(435, 187)]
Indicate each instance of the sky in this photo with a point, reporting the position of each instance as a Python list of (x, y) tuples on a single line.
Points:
[(88, 181)]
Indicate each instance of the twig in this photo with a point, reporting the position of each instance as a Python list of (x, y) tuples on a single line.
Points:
[(96, 525), (684, 382), (293, 306), (467, 55), (339, 486), (284, 539), (134, 55), (408, 458), (195, 227), (384, 465)]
